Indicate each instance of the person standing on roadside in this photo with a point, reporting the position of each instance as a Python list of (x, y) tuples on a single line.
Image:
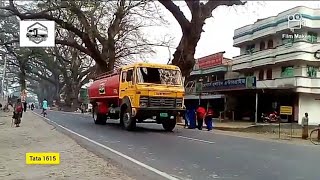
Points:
[(201, 113), (208, 118), (305, 124), (191, 117), (32, 106), (82, 107), (17, 112), (25, 106), (44, 106)]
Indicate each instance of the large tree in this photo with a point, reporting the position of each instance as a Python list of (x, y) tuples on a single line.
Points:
[(192, 29), (106, 31), (39, 71)]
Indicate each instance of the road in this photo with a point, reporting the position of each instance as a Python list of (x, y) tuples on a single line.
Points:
[(199, 155)]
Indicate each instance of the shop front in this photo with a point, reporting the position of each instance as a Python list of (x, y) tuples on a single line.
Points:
[(239, 96)]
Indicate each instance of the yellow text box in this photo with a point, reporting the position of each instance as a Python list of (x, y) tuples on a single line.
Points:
[(43, 158), (286, 110)]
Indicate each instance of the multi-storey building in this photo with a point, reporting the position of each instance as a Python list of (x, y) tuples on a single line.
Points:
[(208, 70), (283, 53)]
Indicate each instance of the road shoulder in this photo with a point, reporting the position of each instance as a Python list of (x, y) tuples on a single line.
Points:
[(35, 135)]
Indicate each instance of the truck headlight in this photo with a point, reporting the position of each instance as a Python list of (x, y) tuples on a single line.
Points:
[(179, 103), (142, 104), (143, 101)]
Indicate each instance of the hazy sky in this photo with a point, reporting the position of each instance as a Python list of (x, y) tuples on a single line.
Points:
[(219, 29)]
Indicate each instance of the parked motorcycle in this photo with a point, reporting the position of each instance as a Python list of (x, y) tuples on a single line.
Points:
[(271, 118), (265, 118)]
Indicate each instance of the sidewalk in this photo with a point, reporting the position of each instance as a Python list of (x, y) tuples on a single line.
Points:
[(262, 131), (35, 135)]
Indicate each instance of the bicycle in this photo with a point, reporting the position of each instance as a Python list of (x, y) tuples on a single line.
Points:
[(314, 136)]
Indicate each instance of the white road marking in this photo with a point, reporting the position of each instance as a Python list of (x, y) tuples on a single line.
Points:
[(163, 174), (194, 139)]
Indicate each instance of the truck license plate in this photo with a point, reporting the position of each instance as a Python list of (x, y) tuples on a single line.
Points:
[(163, 114)]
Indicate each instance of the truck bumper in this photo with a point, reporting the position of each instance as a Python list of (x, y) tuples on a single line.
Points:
[(159, 114)]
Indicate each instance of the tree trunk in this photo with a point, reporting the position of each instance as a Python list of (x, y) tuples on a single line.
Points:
[(22, 79), (184, 54), (71, 97)]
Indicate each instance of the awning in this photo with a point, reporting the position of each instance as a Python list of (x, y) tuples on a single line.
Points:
[(217, 96)]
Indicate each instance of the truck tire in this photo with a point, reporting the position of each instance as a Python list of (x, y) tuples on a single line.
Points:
[(128, 121), (99, 118), (169, 124)]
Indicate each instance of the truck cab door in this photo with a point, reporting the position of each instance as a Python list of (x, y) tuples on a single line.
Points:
[(127, 87), (123, 84)]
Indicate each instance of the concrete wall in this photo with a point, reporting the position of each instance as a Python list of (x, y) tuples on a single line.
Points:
[(231, 75), (309, 103)]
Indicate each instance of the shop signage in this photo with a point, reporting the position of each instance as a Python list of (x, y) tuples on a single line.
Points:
[(209, 61), (231, 84), (286, 110)]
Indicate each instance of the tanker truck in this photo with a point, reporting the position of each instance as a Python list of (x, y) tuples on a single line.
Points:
[(138, 93)]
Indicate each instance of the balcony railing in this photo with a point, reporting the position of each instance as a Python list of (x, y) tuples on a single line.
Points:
[(291, 82), (275, 55)]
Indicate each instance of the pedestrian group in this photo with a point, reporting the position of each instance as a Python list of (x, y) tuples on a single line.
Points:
[(195, 117)]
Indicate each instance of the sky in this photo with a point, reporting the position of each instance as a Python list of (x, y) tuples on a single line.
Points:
[(219, 29)]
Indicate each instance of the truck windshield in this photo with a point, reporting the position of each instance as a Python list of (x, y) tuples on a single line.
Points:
[(159, 76)]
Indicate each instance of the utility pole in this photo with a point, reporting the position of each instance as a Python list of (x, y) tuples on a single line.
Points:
[(3, 74)]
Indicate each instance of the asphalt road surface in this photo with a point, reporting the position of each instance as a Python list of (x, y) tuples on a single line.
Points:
[(198, 155)]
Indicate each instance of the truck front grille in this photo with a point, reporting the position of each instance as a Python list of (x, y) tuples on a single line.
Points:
[(162, 102)]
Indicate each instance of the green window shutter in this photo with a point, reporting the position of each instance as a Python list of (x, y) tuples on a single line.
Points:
[(312, 72), (287, 72)]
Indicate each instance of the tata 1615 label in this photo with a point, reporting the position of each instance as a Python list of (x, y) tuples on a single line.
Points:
[(42, 158)]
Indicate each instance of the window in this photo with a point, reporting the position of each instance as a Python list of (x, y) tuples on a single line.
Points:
[(130, 75), (312, 71), (261, 75), (312, 37), (270, 44), (287, 71), (269, 74), (250, 48), (262, 45), (159, 76), (124, 75)]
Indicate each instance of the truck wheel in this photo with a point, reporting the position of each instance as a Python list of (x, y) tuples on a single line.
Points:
[(99, 118), (169, 124), (129, 123)]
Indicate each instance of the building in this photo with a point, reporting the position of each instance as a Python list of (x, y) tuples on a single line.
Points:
[(207, 70), (283, 53)]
